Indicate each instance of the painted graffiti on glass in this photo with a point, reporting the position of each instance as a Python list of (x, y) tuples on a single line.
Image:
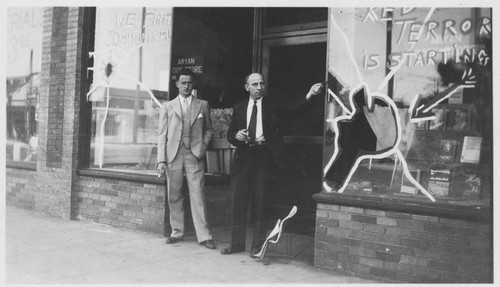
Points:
[(367, 124)]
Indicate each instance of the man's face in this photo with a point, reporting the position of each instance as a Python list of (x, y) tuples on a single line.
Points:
[(255, 86), (185, 85)]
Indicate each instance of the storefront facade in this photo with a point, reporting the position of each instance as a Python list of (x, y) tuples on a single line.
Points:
[(394, 165)]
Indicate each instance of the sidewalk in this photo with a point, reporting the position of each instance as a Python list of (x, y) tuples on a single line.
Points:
[(41, 249)]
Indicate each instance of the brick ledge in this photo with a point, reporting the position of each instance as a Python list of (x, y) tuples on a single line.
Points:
[(472, 213), (20, 165), (143, 177)]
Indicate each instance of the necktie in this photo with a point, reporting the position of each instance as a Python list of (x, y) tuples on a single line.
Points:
[(252, 126), (185, 123), (184, 106)]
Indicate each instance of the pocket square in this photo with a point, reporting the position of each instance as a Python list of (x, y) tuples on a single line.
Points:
[(200, 116)]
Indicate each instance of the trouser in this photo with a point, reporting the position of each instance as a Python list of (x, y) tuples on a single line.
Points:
[(250, 185), (194, 170)]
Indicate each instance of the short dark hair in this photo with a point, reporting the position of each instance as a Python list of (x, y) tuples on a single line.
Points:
[(185, 72)]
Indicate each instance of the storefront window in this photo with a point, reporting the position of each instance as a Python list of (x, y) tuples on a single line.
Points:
[(24, 62), (409, 104), (130, 80)]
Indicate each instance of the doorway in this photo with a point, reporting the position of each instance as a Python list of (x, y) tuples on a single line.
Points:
[(292, 59), (288, 46), (217, 45)]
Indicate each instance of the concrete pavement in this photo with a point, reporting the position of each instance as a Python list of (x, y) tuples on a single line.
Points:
[(41, 249)]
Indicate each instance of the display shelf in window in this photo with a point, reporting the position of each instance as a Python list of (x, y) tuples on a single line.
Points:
[(220, 153), (221, 118)]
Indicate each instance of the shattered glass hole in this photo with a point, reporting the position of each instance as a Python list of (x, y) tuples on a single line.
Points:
[(109, 69)]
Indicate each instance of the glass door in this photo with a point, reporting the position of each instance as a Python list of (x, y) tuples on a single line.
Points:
[(291, 65)]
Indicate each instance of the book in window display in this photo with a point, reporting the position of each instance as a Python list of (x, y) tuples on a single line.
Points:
[(457, 97), (473, 124), (227, 158), (408, 187), (439, 181), (220, 123), (447, 150), (213, 166), (457, 120), (219, 161), (471, 149), (466, 181), (473, 185), (439, 122), (419, 126)]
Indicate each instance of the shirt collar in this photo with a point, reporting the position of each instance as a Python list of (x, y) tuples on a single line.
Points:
[(189, 99), (259, 101)]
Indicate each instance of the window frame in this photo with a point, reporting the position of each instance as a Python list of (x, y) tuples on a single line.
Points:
[(86, 111), (420, 204)]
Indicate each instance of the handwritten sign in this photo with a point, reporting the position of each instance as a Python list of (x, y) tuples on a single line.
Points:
[(137, 28), (408, 29), (24, 36), (129, 40)]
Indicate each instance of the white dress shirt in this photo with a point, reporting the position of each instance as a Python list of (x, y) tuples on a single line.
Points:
[(259, 134), (184, 102)]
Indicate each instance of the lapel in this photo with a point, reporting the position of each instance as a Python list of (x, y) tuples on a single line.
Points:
[(195, 109), (176, 105), (243, 113), (265, 115)]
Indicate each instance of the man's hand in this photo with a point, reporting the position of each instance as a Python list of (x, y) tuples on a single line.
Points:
[(162, 169), (242, 135), (314, 90)]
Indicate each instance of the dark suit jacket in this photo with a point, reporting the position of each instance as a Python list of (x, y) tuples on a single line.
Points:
[(272, 113)]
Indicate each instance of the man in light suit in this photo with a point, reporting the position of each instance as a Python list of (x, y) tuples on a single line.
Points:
[(255, 131), (185, 130)]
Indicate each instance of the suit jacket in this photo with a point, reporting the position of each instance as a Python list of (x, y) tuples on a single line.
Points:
[(170, 129), (271, 126)]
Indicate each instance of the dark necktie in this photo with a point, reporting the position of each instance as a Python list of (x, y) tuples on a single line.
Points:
[(252, 127)]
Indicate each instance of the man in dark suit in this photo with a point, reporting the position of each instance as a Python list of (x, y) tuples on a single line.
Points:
[(255, 132)]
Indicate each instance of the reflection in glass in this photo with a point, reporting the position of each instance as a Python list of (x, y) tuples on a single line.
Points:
[(24, 56)]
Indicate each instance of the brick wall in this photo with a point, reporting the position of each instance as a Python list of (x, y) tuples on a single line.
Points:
[(57, 68), (59, 110), (141, 206), (402, 247), (131, 205), (20, 188)]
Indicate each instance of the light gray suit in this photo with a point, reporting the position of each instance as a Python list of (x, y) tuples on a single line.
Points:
[(190, 159)]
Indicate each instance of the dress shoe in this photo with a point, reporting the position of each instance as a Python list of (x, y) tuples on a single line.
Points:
[(172, 240), (232, 249), (210, 244)]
